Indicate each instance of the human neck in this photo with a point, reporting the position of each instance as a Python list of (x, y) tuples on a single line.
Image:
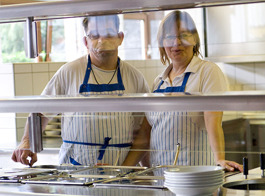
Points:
[(107, 62), (177, 69)]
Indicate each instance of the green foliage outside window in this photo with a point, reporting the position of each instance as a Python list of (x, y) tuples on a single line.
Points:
[(12, 43)]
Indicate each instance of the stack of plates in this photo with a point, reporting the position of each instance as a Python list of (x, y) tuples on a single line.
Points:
[(194, 180)]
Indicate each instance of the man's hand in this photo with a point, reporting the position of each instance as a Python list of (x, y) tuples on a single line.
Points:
[(230, 165), (22, 153)]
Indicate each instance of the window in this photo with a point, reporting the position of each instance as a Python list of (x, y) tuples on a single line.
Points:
[(12, 43), (62, 39)]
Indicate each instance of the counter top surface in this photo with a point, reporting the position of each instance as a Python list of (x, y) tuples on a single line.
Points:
[(35, 189)]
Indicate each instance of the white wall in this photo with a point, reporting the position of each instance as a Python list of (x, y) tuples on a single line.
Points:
[(7, 120)]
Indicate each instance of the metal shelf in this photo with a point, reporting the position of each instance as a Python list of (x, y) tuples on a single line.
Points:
[(48, 10), (230, 101)]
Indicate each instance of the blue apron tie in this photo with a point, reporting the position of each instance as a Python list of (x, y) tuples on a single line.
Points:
[(172, 89), (103, 146)]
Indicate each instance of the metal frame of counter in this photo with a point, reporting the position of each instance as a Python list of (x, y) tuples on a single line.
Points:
[(57, 9), (230, 101)]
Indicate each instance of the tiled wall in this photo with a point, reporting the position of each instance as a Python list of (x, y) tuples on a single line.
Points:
[(149, 68), (30, 79), (244, 76)]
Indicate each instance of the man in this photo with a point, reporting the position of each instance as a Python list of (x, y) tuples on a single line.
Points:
[(93, 138)]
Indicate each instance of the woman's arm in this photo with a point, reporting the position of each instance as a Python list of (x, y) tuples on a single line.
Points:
[(140, 144), (213, 123)]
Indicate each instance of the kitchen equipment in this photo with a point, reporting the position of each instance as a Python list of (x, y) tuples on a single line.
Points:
[(62, 168), (18, 174), (262, 164), (245, 167), (52, 132), (139, 179), (35, 132), (117, 158), (253, 184), (177, 154), (90, 175)]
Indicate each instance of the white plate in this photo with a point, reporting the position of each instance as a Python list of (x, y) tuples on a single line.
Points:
[(194, 183), (194, 170), (197, 185), (51, 127), (193, 191), (193, 180), (52, 132), (194, 177)]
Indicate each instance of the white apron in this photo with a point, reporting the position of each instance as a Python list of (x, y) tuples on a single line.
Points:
[(171, 128), (95, 137)]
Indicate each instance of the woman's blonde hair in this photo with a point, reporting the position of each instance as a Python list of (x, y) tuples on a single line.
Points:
[(174, 19)]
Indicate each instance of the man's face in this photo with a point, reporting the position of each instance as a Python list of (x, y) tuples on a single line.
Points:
[(102, 37)]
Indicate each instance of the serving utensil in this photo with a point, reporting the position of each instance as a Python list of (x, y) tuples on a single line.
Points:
[(117, 158), (177, 154)]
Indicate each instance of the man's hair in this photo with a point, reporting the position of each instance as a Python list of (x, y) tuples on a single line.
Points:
[(100, 19)]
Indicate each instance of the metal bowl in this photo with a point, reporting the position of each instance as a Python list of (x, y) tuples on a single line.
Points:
[(253, 184)]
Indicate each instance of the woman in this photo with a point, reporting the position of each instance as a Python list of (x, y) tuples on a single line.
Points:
[(200, 134)]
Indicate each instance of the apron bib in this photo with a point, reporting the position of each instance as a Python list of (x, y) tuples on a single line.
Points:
[(171, 128), (96, 137)]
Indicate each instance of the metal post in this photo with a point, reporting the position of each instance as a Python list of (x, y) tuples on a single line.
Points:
[(30, 38), (35, 133), (204, 14)]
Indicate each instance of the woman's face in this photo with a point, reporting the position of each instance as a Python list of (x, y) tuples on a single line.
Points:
[(179, 43)]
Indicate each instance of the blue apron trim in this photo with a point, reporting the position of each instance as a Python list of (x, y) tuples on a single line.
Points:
[(103, 146), (100, 87), (85, 87), (175, 89), (72, 161)]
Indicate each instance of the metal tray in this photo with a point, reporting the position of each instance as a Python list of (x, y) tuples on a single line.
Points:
[(23, 173)]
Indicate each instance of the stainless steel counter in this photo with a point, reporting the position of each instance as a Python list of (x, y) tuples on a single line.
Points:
[(26, 189), (48, 189)]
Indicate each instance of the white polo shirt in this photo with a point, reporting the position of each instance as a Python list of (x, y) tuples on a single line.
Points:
[(205, 77)]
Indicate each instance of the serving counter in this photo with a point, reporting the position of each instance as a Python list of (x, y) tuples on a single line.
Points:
[(230, 102), (64, 188)]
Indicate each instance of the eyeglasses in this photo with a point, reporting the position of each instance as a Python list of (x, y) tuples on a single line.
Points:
[(169, 39), (95, 36)]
